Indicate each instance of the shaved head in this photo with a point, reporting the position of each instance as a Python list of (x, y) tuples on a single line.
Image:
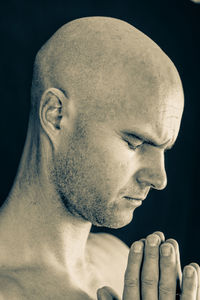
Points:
[(123, 105), (92, 58)]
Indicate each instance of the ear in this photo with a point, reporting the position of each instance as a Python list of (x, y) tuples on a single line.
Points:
[(51, 111)]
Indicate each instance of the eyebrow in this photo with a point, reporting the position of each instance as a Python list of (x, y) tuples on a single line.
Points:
[(147, 140)]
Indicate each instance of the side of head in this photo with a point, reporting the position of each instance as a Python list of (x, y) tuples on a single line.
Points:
[(108, 102)]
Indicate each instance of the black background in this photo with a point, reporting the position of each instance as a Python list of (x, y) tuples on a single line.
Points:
[(175, 26)]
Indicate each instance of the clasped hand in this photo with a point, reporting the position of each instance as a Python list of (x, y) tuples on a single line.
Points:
[(153, 273)]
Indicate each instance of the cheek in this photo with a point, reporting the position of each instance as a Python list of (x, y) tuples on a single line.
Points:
[(112, 164)]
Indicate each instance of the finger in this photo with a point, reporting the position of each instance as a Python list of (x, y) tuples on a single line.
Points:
[(150, 270), (161, 235), (168, 272), (102, 294), (132, 274), (189, 283), (178, 262), (107, 293), (196, 266)]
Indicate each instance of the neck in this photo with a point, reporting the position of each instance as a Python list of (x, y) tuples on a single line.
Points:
[(35, 227)]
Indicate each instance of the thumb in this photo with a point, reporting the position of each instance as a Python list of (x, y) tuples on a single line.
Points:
[(107, 293), (102, 294)]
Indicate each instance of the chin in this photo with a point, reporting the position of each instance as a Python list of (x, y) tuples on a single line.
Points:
[(114, 221)]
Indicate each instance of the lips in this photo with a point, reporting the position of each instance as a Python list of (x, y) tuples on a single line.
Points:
[(135, 198), (135, 202)]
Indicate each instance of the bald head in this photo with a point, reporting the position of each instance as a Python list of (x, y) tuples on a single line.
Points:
[(109, 102), (97, 58)]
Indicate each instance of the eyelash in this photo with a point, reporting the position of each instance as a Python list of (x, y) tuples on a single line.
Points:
[(136, 147), (131, 146)]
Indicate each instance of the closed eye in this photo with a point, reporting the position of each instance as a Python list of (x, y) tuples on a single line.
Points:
[(134, 146)]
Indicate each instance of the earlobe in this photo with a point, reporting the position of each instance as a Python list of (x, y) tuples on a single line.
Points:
[(51, 111)]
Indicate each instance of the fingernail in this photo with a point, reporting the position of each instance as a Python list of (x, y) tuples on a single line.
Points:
[(188, 271), (137, 247), (153, 240), (165, 250)]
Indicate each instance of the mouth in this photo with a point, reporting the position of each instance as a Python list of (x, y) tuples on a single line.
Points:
[(135, 198), (134, 201)]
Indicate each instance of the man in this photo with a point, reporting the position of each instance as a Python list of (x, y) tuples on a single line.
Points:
[(106, 102)]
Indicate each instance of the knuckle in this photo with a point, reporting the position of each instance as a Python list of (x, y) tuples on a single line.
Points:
[(166, 290), (149, 282), (131, 282), (152, 253), (167, 264)]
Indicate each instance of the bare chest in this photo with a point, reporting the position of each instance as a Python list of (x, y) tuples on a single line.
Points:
[(43, 284), (105, 266)]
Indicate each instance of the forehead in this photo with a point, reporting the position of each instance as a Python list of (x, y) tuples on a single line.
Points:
[(155, 108), (142, 92), (160, 123), (150, 107)]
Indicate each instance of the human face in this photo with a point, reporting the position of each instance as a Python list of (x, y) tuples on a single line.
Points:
[(111, 165)]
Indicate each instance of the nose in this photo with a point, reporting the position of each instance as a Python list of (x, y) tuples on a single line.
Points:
[(152, 172)]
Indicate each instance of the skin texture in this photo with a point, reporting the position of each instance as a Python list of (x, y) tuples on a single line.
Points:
[(106, 102), (106, 84)]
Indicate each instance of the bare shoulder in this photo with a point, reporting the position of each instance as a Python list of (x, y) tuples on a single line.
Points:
[(110, 243), (9, 288), (110, 256)]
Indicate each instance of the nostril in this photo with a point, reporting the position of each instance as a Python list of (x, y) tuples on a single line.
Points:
[(152, 179), (153, 186)]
